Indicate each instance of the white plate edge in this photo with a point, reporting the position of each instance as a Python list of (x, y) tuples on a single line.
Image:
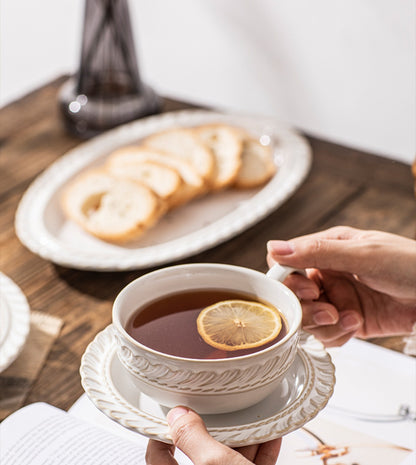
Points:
[(32, 233), (19, 321), (304, 409)]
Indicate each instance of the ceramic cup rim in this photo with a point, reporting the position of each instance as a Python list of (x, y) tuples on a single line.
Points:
[(194, 266)]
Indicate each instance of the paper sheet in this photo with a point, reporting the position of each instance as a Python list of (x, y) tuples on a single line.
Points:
[(40, 434), (372, 381)]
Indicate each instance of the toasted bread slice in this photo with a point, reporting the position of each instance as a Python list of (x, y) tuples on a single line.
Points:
[(226, 146), (162, 179), (184, 144), (112, 209), (257, 164), (192, 184)]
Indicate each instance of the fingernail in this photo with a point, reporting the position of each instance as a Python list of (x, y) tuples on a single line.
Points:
[(323, 318), (280, 247), (307, 294), (175, 413), (350, 322)]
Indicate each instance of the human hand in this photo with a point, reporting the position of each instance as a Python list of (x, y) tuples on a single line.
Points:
[(361, 283), (190, 435)]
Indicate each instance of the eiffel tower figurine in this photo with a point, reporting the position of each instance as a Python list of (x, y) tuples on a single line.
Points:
[(107, 90)]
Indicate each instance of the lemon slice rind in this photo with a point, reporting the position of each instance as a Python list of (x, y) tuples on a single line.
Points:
[(238, 324)]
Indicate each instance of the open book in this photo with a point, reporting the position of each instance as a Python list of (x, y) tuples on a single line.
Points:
[(40, 434)]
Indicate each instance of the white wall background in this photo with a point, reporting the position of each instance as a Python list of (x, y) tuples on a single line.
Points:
[(342, 70)]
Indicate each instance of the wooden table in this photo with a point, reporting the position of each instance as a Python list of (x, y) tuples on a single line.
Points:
[(345, 186)]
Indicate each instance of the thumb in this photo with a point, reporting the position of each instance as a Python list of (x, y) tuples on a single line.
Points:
[(190, 435), (318, 252)]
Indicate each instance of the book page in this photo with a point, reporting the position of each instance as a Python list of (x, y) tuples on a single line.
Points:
[(371, 381), (83, 408), (322, 442), (40, 434), (372, 385), (319, 442)]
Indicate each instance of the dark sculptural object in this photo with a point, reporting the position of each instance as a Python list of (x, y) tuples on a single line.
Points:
[(107, 90)]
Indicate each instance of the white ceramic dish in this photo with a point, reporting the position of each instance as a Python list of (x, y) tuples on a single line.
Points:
[(14, 321), (304, 391), (42, 227), (207, 386)]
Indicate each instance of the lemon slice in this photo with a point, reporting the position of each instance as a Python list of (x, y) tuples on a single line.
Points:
[(238, 324)]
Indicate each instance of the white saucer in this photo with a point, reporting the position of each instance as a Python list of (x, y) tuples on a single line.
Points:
[(14, 321), (305, 390)]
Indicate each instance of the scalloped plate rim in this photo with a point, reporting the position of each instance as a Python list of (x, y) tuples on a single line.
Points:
[(19, 321), (33, 233), (115, 406)]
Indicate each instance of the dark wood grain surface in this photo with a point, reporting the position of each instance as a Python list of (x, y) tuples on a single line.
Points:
[(345, 186)]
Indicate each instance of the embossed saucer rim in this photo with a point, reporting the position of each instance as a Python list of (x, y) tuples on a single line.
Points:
[(318, 387), (15, 316)]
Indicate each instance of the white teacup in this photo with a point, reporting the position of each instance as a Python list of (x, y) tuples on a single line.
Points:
[(215, 385)]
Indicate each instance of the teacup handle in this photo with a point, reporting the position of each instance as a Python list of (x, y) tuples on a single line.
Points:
[(281, 272)]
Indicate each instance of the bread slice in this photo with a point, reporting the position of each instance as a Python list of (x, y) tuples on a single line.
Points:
[(184, 144), (192, 184), (257, 164), (112, 209), (162, 179), (226, 146)]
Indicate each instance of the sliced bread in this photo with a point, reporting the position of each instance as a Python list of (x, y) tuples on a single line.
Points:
[(257, 164), (110, 208), (226, 146), (162, 179), (184, 144), (192, 184)]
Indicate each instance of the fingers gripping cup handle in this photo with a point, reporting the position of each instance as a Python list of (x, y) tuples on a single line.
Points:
[(281, 272)]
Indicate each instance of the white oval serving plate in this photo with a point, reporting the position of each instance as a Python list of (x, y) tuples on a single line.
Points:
[(14, 321), (203, 223), (303, 393)]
